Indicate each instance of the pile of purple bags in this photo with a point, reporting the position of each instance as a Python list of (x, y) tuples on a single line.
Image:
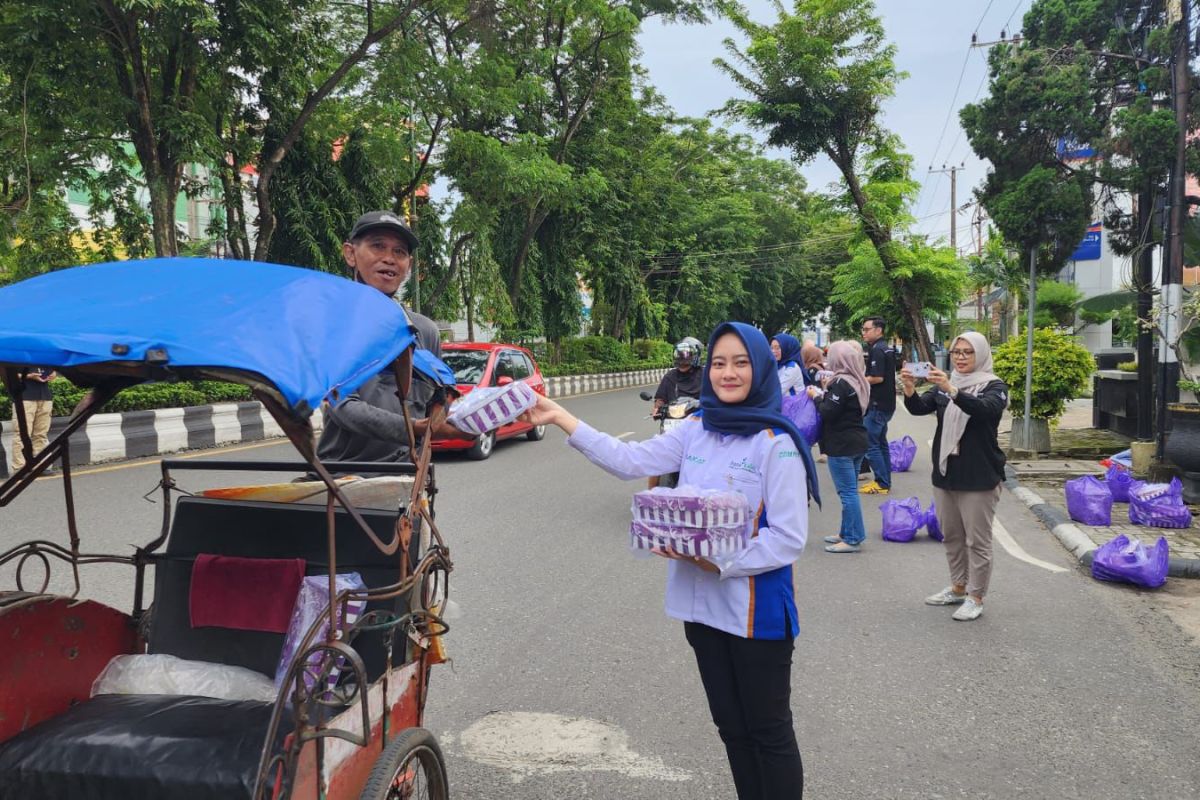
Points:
[(1126, 560), (1159, 505), (903, 518)]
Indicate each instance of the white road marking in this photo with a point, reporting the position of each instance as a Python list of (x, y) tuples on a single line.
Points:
[(526, 744), (1001, 535), (625, 434)]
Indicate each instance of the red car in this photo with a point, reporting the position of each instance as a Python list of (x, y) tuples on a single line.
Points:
[(491, 364)]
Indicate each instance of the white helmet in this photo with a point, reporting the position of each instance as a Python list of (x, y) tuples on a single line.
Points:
[(689, 349)]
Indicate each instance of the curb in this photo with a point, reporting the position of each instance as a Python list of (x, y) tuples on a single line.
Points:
[(137, 434), (1073, 538)]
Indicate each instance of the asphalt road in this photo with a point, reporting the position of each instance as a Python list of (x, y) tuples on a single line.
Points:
[(568, 681)]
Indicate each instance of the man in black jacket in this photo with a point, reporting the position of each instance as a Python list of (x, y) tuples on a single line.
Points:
[(368, 425)]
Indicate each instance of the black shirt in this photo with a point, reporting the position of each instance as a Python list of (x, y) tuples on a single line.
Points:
[(979, 466), (676, 383), (37, 390), (842, 429), (881, 363)]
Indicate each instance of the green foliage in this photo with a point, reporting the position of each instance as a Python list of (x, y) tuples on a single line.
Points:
[(1061, 370), (1056, 304), (141, 397), (602, 349), (653, 350), (934, 275), (1128, 366), (1190, 386)]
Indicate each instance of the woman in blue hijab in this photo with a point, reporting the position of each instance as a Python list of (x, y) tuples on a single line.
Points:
[(739, 611), (789, 359)]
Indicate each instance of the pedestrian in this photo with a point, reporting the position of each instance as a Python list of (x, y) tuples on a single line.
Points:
[(38, 404), (881, 374), (787, 351), (739, 612), (968, 465), (814, 362), (842, 404), (368, 425)]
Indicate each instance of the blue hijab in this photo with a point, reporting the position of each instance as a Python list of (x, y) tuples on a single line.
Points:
[(789, 349), (762, 408)]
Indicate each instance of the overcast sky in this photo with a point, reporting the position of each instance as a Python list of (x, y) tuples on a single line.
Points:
[(933, 40)]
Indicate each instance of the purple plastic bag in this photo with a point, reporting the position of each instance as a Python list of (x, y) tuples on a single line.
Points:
[(802, 411), (1118, 480), (1089, 501), (901, 519), (902, 452), (311, 602), (1159, 505), (1129, 561), (932, 526)]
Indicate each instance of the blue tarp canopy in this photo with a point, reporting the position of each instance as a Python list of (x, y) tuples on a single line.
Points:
[(307, 333)]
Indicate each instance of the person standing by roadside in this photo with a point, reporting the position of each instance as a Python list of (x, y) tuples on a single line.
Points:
[(844, 438), (739, 612), (787, 351), (814, 362), (38, 404), (881, 374), (968, 465)]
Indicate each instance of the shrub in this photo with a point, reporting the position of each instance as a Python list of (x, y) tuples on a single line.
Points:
[(603, 349), (142, 397), (653, 350), (592, 367), (1127, 366), (1061, 369)]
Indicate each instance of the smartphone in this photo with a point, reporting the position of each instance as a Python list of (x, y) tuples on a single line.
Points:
[(918, 369)]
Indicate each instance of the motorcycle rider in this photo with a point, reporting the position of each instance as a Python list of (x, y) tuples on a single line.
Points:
[(684, 379)]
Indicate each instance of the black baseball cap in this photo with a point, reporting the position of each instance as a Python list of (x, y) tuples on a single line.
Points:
[(384, 220)]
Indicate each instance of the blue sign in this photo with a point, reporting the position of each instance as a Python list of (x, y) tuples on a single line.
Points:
[(1071, 150), (1089, 248)]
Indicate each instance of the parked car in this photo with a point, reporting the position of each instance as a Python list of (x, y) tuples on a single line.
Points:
[(491, 364)]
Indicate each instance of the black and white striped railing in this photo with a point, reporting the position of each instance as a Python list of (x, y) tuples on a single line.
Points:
[(135, 434)]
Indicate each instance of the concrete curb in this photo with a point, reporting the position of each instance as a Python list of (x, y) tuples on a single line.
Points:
[(137, 434), (1073, 538)]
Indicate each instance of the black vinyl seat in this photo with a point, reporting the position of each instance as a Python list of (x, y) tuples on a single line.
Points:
[(130, 747), (139, 747)]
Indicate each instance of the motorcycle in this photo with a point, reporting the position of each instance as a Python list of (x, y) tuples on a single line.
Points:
[(668, 416)]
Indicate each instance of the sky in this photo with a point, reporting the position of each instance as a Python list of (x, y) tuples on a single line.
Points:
[(932, 38)]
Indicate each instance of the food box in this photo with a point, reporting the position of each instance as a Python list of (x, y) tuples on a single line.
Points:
[(491, 407), (696, 522)]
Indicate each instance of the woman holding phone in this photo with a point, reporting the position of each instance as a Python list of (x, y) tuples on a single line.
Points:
[(738, 612), (968, 465)]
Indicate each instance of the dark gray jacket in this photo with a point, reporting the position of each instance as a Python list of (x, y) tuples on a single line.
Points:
[(369, 424)]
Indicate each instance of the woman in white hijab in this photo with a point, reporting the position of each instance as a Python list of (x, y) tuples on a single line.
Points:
[(968, 465)]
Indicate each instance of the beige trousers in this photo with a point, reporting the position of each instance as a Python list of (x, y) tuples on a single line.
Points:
[(37, 417), (966, 520)]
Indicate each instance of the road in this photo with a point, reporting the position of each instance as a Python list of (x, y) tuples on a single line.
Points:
[(568, 681)]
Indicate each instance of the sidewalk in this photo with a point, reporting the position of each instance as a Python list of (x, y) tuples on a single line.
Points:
[(1076, 450)]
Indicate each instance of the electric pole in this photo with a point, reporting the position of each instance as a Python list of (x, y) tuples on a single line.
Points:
[(953, 173), (1172, 273)]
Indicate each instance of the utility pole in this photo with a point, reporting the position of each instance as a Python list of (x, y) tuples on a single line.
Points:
[(1172, 272), (953, 173), (1145, 338)]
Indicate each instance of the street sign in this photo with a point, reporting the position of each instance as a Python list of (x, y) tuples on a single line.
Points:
[(1089, 248)]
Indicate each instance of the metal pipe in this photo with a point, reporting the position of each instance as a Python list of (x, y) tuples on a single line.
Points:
[(1032, 302)]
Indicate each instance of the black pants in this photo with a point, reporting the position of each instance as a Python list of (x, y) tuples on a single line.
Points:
[(749, 688)]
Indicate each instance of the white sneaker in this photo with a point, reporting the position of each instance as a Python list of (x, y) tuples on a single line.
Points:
[(970, 610), (946, 597)]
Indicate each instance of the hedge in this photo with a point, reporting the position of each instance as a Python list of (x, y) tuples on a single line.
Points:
[(137, 398)]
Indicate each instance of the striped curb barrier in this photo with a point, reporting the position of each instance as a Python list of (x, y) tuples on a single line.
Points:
[(137, 434), (1077, 542)]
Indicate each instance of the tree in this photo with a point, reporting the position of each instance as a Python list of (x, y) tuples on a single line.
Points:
[(817, 79), (998, 266)]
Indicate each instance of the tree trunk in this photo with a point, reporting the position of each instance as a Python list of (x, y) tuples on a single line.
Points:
[(881, 239), (469, 304), (533, 220), (451, 270)]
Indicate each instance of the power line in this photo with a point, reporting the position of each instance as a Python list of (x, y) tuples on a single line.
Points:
[(984, 15)]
